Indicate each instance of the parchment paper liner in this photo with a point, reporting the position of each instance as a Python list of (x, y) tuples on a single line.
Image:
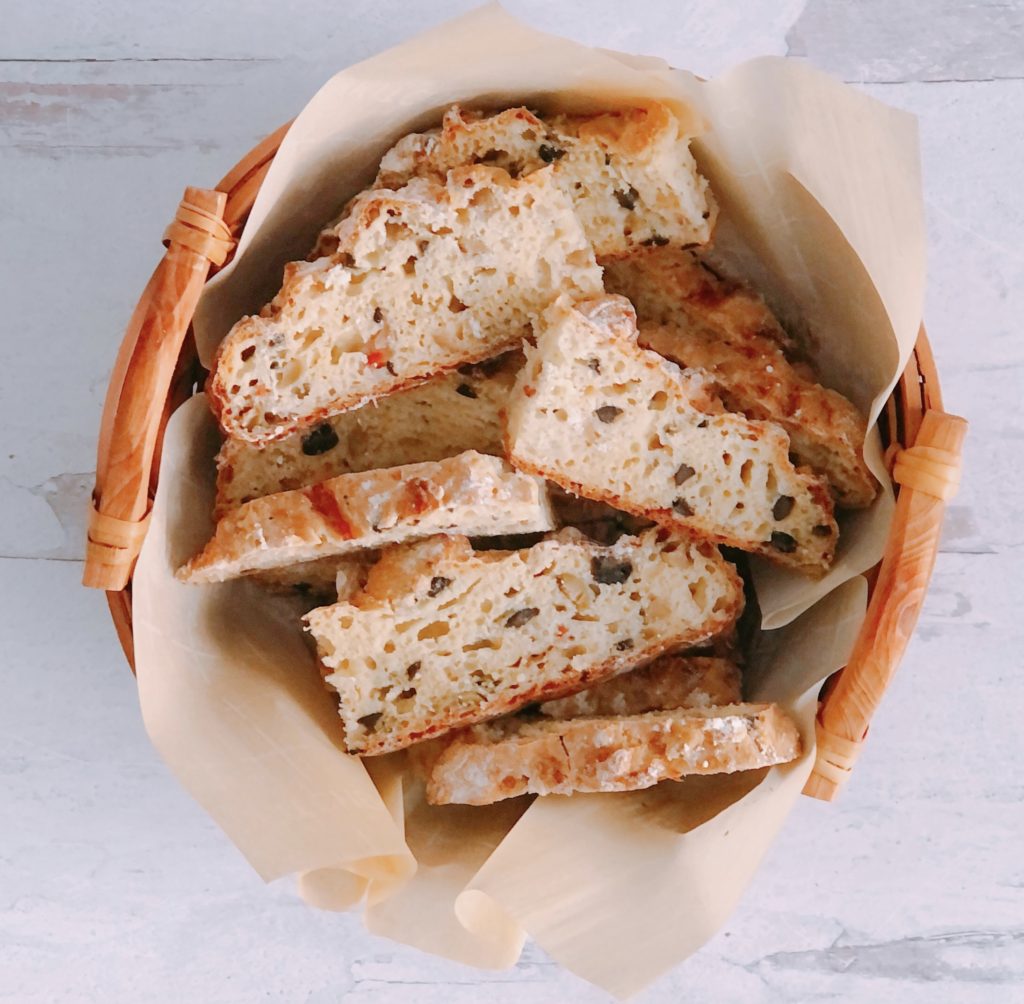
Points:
[(821, 203)]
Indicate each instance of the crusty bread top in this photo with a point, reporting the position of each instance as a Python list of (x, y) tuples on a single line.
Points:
[(439, 418), (498, 760), (422, 280), (671, 681), (442, 636), (602, 417), (472, 493), (630, 173), (672, 286)]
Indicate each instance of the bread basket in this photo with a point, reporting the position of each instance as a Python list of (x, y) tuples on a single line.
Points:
[(158, 368)]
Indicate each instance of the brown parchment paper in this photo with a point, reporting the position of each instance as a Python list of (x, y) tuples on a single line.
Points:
[(822, 208), (232, 699)]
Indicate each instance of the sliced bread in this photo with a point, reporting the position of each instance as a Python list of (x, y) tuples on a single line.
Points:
[(439, 418), (604, 418), (422, 280), (471, 493), (629, 173), (672, 286), (442, 636), (671, 681), (826, 432), (691, 316), (497, 760)]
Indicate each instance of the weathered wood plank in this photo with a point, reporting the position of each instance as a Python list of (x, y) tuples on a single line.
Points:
[(704, 36), (874, 41)]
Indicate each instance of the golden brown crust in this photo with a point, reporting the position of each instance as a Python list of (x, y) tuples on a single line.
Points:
[(670, 681), (471, 492), (498, 760), (629, 130), (673, 286)]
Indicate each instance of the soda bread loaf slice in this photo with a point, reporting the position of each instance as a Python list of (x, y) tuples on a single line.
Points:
[(604, 418), (439, 418), (629, 173), (422, 280), (672, 286), (490, 762), (470, 493), (691, 316), (826, 432), (443, 636), (671, 681)]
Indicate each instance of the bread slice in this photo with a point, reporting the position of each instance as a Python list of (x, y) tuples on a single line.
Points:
[(470, 493), (671, 681), (691, 316), (422, 280), (602, 417), (672, 286), (442, 636), (826, 432), (498, 760), (442, 417), (629, 173)]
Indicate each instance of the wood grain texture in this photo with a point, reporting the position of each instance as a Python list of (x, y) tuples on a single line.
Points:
[(896, 600), (139, 388)]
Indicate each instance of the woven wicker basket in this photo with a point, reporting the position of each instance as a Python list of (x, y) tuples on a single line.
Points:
[(157, 369)]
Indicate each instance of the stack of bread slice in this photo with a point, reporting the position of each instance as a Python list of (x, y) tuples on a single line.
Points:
[(497, 426)]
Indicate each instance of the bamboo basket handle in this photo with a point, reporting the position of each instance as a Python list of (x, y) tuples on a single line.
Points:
[(928, 473), (133, 411)]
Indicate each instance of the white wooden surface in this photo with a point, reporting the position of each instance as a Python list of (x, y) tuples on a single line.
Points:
[(115, 887)]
